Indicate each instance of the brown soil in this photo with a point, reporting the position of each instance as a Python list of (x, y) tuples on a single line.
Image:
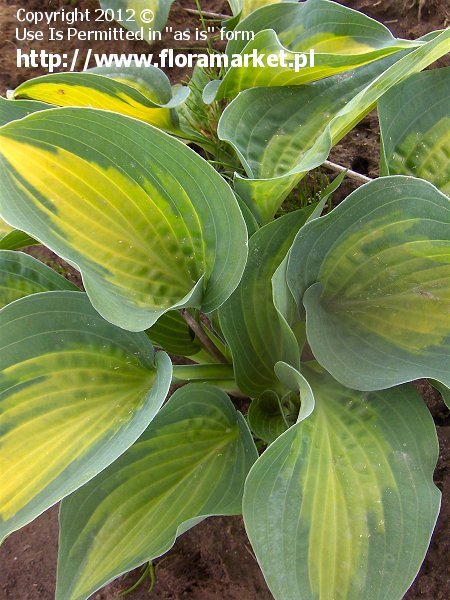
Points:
[(214, 560)]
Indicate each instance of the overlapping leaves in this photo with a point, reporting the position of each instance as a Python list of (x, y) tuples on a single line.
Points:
[(191, 462), (75, 393), (281, 133), (22, 275), (12, 239), (443, 390), (10, 110), (150, 225), (172, 333), (343, 504), (144, 94), (341, 39), (257, 333), (374, 278)]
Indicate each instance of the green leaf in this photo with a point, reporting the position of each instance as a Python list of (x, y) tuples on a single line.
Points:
[(5, 230), (374, 277), (242, 8), (341, 39), (137, 14), (172, 333), (269, 415), (193, 113), (150, 224), (257, 333), (22, 275), (282, 296), (236, 6), (190, 463), (11, 110), (296, 382), (198, 121), (209, 372), (144, 94), (75, 393), (265, 416), (415, 128), (443, 390), (282, 133), (13, 239), (343, 504)]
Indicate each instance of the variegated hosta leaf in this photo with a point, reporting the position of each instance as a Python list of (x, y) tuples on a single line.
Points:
[(144, 94), (22, 275), (172, 333), (341, 38), (190, 463), (10, 238), (343, 504), (295, 118), (256, 332), (415, 128), (374, 277), (10, 110), (150, 225), (137, 14), (281, 133), (75, 393)]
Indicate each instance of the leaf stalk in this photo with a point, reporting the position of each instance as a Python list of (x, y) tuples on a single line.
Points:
[(204, 340), (339, 168)]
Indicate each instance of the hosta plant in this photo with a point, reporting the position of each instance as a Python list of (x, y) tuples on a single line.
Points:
[(302, 325)]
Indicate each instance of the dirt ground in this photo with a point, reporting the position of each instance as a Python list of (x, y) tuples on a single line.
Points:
[(214, 560)]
